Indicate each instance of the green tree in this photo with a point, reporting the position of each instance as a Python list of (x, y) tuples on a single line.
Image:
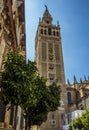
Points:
[(81, 122), (21, 85), (70, 126), (30, 107), (53, 97), (77, 123), (48, 99), (85, 119), (16, 79)]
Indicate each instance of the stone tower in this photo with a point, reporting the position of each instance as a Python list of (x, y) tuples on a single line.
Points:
[(49, 59)]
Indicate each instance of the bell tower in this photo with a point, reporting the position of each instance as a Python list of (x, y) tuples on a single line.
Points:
[(49, 59)]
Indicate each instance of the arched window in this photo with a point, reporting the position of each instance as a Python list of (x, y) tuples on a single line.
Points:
[(57, 33), (41, 31), (49, 31), (69, 97), (54, 33), (45, 32)]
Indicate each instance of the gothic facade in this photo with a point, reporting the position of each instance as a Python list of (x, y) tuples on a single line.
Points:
[(12, 35), (78, 94)]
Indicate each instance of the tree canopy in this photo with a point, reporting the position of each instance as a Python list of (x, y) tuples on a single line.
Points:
[(81, 122), (48, 99), (85, 119), (22, 85), (16, 78), (77, 123)]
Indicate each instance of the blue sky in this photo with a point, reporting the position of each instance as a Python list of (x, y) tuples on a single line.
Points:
[(73, 17)]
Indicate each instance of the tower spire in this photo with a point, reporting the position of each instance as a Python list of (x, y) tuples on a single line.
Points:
[(84, 77), (47, 18), (80, 80), (68, 82), (75, 81)]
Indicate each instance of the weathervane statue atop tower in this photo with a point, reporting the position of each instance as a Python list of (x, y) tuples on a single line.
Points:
[(46, 7)]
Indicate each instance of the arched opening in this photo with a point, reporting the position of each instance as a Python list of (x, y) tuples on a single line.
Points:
[(69, 97), (41, 31), (49, 31)]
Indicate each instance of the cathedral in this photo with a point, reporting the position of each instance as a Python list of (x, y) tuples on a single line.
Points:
[(49, 61)]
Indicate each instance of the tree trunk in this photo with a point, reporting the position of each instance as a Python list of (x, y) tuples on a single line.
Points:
[(15, 119), (30, 128), (26, 123)]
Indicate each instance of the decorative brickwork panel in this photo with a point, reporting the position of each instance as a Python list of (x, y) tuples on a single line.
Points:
[(51, 67), (57, 55), (58, 73), (43, 51), (44, 70), (50, 48)]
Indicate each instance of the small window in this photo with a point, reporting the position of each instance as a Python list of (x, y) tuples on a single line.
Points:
[(53, 116), (50, 57), (51, 77), (51, 67)]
